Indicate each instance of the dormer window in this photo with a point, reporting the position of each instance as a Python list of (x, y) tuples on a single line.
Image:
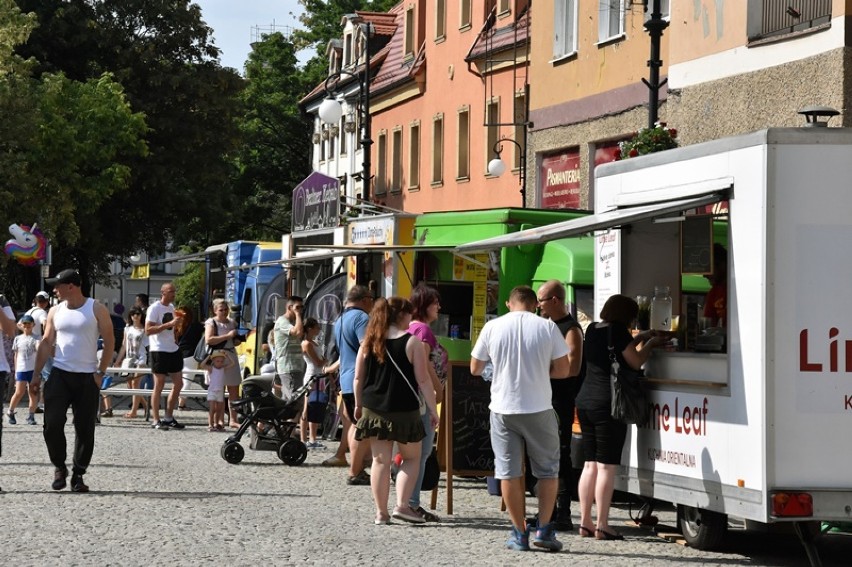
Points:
[(410, 32), (348, 55)]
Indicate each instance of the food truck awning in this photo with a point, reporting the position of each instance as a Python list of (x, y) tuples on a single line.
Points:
[(303, 258), (601, 221)]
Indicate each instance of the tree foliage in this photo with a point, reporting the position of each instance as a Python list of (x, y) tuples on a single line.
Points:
[(66, 146), (162, 54), (276, 149)]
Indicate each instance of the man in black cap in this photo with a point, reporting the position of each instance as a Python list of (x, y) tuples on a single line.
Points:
[(71, 332)]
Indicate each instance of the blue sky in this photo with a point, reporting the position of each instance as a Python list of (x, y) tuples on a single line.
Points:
[(234, 23)]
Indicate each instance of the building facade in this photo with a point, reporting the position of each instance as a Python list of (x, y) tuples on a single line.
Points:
[(731, 66)]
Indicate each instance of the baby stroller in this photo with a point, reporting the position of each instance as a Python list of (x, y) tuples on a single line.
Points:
[(266, 416)]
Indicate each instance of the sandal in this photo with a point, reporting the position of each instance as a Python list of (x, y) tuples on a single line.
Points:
[(586, 532), (129, 415), (601, 534)]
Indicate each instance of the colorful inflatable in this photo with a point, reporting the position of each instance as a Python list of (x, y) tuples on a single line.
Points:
[(28, 246)]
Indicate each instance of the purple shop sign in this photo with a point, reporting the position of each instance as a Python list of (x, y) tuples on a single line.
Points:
[(316, 203)]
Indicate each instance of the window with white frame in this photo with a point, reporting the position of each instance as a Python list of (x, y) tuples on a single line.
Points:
[(503, 7), (564, 28), (414, 156), (347, 50), (438, 150), (610, 19)]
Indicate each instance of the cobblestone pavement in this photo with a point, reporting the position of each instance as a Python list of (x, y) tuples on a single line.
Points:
[(167, 497)]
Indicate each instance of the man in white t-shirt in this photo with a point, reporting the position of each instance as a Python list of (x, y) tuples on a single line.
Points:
[(526, 351), (166, 359)]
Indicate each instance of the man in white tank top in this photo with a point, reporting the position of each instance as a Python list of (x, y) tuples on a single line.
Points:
[(71, 335)]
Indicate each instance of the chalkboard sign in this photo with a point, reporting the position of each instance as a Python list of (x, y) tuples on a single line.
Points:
[(696, 245), (469, 397)]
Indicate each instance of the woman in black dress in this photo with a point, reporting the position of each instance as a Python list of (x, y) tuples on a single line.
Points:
[(389, 372), (603, 437)]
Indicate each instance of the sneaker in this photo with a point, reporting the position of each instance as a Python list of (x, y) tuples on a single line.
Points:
[(12, 420), (407, 515), (360, 479), (427, 515), (39, 409), (314, 445), (31, 420), (106, 413), (160, 424), (545, 537), (173, 424), (77, 484), (334, 461), (59, 477), (518, 540)]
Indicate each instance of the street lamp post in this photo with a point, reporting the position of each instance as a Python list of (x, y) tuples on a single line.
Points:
[(496, 167), (330, 110)]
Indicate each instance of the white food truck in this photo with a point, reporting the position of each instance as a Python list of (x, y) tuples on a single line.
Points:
[(757, 424)]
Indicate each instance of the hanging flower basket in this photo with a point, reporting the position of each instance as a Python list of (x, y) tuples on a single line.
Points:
[(648, 141)]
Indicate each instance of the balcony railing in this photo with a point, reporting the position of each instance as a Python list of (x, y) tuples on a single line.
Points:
[(783, 17)]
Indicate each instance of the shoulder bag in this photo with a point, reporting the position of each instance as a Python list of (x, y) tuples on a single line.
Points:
[(629, 398), (202, 351), (404, 379)]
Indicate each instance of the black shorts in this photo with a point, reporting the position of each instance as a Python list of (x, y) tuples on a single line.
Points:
[(349, 407), (603, 437), (166, 362)]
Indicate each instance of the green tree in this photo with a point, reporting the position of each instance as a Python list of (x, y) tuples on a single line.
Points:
[(276, 149), (162, 53), (65, 146)]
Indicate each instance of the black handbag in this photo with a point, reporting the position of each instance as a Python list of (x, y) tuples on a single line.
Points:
[(202, 351), (629, 398)]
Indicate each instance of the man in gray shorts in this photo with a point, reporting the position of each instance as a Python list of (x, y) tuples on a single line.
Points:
[(526, 352)]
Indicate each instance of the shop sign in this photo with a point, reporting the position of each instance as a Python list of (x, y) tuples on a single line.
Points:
[(316, 203), (560, 180), (371, 231)]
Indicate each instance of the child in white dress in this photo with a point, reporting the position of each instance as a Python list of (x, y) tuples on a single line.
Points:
[(215, 366)]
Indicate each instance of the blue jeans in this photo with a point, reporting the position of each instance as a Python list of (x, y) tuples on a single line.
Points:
[(426, 450)]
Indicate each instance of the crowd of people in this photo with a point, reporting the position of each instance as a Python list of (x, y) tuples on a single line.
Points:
[(389, 371)]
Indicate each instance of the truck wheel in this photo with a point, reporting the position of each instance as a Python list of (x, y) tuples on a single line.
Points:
[(702, 529)]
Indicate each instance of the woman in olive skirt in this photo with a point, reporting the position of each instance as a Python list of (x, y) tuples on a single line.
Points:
[(391, 378)]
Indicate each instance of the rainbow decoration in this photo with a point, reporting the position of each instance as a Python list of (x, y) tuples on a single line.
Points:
[(28, 246)]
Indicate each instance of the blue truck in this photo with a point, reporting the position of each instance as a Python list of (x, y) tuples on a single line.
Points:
[(244, 271)]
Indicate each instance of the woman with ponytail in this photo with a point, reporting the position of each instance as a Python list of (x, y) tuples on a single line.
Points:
[(391, 383)]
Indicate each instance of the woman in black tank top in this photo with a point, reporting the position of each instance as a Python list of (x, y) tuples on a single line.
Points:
[(389, 372)]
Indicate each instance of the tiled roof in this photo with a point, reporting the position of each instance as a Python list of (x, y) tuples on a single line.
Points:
[(384, 23), (501, 38), (385, 26), (395, 68)]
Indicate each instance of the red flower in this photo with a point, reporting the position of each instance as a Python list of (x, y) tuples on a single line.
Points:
[(634, 152), (673, 132)]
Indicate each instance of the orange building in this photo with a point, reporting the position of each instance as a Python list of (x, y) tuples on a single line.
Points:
[(449, 82)]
